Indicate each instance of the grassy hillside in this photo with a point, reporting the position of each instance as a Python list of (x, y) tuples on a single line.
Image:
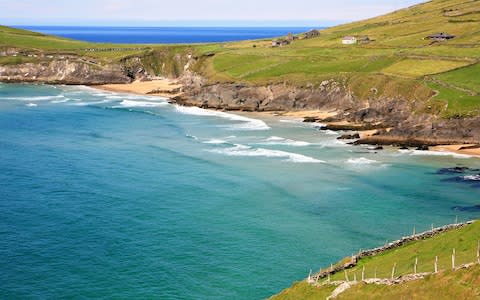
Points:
[(398, 60), (447, 284)]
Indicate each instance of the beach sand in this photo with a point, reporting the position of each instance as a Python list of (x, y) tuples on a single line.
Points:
[(317, 114), (472, 149), (159, 87)]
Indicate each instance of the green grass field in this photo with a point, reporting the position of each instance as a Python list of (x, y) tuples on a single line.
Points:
[(398, 57), (445, 284)]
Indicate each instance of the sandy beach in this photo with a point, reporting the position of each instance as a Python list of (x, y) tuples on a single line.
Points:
[(159, 87), (317, 114), (466, 149)]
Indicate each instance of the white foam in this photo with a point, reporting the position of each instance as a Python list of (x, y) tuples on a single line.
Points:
[(291, 121), (472, 177), (129, 103), (247, 123), (36, 98), (31, 105), (215, 142), (435, 153), (241, 150), (330, 132), (361, 161), (63, 100), (191, 136), (275, 140), (90, 103)]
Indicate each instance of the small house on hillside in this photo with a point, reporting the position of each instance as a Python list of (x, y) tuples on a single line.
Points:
[(280, 43), (363, 40), (349, 40), (291, 37), (312, 34), (442, 36)]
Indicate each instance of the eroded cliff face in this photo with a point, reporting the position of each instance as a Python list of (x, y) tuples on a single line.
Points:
[(64, 72), (398, 120)]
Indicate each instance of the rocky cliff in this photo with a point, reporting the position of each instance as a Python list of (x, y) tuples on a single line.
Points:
[(398, 120), (64, 72)]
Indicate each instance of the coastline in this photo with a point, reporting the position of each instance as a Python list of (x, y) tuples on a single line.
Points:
[(169, 88)]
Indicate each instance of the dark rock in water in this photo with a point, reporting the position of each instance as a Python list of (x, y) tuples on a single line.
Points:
[(454, 170), (376, 148), (349, 136), (323, 128), (423, 148), (403, 148), (474, 208)]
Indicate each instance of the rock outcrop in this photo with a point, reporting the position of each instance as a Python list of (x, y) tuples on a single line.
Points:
[(64, 72)]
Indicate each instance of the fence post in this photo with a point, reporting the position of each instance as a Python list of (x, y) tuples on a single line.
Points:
[(478, 252), (453, 259), (393, 269), (375, 274), (432, 226), (328, 277), (415, 266), (363, 273), (436, 264), (346, 276), (414, 231), (355, 277)]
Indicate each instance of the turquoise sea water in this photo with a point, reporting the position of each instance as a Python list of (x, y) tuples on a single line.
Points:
[(107, 195)]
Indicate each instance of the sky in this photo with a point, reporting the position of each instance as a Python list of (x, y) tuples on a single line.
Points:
[(193, 12)]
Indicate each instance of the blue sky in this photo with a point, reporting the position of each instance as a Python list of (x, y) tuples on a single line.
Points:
[(193, 12)]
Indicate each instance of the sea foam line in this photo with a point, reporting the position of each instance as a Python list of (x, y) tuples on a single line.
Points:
[(361, 161), (435, 153), (247, 123), (276, 140), (242, 150), (35, 98), (130, 103)]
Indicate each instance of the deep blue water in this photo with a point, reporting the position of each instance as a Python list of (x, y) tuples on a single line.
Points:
[(165, 35), (108, 195)]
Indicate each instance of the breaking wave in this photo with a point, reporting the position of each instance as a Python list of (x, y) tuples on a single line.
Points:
[(242, 150), (275, 140), (130, 103), (361, 161), (246, 123)]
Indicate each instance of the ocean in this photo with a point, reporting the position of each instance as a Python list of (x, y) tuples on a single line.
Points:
[(106, 195), (164, 35)]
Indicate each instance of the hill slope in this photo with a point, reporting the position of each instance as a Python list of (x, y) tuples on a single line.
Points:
[(447, 284)]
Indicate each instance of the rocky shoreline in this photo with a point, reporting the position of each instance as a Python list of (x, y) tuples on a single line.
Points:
[(393, 121)]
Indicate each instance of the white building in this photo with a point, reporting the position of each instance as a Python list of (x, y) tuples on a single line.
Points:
[(349, 40)]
